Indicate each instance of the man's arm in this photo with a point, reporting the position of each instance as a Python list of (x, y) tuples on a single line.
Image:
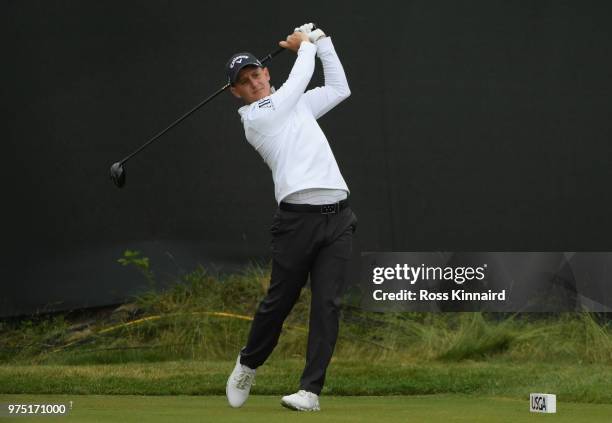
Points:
[(322, 99), (269, 113)]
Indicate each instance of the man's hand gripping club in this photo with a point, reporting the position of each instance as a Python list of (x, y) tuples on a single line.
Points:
[(302, 33)]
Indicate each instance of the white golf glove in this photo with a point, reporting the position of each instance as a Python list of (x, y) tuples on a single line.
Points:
[(313, 36), (306, 28)]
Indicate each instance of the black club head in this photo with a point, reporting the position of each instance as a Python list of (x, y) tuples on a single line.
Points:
[(117, 174)]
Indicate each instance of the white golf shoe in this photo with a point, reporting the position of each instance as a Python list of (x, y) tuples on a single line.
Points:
[(239, 384), (301, 401)]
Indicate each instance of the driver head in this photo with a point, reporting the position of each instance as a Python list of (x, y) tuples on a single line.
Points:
[(117, 174)]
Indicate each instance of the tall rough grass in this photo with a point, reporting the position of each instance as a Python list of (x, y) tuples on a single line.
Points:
[(205, 316)]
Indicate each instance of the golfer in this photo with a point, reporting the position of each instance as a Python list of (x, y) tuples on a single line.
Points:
[(313, 227)]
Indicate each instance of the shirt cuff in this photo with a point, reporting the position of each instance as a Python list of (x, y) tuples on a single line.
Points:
[(307, 46)]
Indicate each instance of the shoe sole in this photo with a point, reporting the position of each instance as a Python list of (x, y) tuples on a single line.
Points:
[(296, 408)]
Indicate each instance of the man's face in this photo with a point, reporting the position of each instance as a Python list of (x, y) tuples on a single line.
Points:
[(252, 84)]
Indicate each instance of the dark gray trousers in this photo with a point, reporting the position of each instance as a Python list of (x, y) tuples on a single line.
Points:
[(304, 244)]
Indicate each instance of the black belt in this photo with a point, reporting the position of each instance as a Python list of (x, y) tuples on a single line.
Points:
[(314, 208)]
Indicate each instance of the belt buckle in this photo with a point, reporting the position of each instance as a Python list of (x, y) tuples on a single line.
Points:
[(330, 208)]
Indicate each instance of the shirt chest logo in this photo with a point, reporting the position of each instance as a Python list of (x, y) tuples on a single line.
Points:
[(265, 103)]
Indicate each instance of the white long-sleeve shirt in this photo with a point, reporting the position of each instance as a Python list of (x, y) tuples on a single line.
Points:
[(283, 127)]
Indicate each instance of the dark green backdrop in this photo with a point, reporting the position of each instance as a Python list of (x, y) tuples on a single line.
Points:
[(473, 125)]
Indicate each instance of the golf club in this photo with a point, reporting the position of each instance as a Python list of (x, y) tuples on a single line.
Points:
[(117, 170)]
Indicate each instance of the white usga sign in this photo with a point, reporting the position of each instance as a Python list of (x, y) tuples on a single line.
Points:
[(543, 403)]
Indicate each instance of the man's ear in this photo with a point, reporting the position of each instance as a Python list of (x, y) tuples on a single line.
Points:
[(266, 74), (234, 92)]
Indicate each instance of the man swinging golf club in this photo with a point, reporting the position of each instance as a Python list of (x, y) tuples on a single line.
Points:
[(313, 227)]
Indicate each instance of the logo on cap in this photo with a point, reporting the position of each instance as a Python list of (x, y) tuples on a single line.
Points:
[(237, 59)]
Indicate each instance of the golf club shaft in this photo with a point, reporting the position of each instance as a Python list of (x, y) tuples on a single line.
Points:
[(202, 103)]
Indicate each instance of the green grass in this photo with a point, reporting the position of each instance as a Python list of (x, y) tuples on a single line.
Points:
[(266, 409), (206, 317), (585, 383)]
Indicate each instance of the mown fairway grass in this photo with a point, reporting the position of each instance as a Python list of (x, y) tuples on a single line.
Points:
[(572, 383), (266, 409)]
